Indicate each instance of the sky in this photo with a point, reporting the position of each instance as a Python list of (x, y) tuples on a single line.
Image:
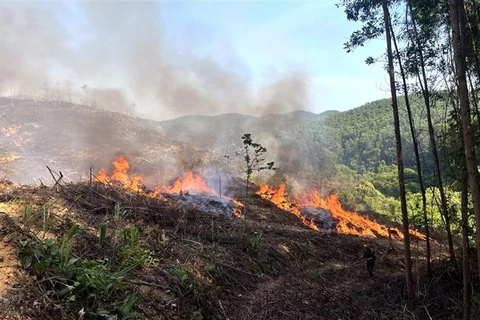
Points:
[(162, 60), (281, 37)]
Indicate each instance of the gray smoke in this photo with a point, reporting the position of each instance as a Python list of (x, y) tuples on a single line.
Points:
[(116, 56)]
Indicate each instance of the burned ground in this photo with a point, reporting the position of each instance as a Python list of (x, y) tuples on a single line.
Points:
[(265, 265)]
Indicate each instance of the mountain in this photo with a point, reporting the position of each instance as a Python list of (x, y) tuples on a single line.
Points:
[(291, 139), (328, 146), (72, 138), (328, 150), (208, 131)]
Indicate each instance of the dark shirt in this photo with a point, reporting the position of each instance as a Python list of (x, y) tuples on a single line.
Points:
[(369, 255)]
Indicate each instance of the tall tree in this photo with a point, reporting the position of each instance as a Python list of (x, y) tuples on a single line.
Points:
[(398, 138), (416, 150), (458, 40), (422, 75), (376, 17), (467, 288)]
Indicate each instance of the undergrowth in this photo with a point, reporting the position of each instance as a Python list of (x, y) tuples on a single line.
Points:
[(87, 288)]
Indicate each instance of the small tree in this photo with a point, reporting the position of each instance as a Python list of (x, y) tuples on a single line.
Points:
[(253, 159)]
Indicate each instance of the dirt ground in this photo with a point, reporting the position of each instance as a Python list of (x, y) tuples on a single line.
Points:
[(8, 266)]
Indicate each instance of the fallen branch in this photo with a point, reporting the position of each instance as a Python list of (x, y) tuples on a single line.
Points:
[(148, 284), (57, 181), (428, 313)]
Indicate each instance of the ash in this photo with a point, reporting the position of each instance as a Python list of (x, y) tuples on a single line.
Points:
[(321, 217), (205, 202)]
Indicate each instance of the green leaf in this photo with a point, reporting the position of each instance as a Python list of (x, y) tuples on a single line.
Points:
[(72, 261), (40, 267), (26, 260), (128, 304), (102, 233), (23, 243), (73, 230)]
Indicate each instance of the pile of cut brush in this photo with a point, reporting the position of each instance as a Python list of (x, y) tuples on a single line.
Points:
[(98, 251)]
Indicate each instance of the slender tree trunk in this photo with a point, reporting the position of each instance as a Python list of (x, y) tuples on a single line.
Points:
[(467, 289), (473, 43), (467, 133), (398, 138), (433, 142), (467, 294), (477, 18), (417, 155)]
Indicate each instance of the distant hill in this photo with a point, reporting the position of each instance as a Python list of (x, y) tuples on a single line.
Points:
[(208, 131), (328, 146), (72, 138), (328, 149), (289, 138)]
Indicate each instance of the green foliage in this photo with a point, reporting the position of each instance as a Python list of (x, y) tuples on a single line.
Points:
[(414, 205), (191, 284), (134, 252), (253, 156), (102, 232), (73, 280), (33, 217), (253, 153), (386, 180), (255, 242), (364, 197)]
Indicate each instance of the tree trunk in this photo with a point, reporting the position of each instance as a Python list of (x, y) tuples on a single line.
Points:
[(433, 143), (398, 138), (468, 139), (475, 59), (467, 294), (467, 289), (417, 156)]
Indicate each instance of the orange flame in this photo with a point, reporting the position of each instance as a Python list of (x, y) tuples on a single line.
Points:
[(351, 222), (120, 175), (190, 182), (193, 182), (279, 197), (348, 222)]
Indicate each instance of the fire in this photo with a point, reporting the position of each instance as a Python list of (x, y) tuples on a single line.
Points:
[(279, 197), (191, 182), (120, 175), (348, 222)]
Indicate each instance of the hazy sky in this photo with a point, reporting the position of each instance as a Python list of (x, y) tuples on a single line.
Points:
[(274, 38), (179, 58)]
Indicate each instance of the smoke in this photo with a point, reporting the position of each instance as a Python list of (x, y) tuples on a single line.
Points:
[(117, 55), (284, 94)]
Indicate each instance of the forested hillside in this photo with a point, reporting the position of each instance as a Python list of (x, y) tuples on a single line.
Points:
[(333, 148)]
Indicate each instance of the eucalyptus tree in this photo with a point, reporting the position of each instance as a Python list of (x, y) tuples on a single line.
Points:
[(375, 16), (457, 22), (419, 44), (416, 150)]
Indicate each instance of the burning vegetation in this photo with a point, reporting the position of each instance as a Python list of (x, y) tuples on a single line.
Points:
[(189, 189), (166, 259), (313, 211)]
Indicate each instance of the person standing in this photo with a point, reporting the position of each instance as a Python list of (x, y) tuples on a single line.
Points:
[(369, 255)]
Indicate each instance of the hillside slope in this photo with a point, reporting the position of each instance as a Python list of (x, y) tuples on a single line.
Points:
[(266, 265), (296, 146), (327, 147), (72, 138)]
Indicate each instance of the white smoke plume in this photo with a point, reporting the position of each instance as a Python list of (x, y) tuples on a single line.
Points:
[(116, 56)]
